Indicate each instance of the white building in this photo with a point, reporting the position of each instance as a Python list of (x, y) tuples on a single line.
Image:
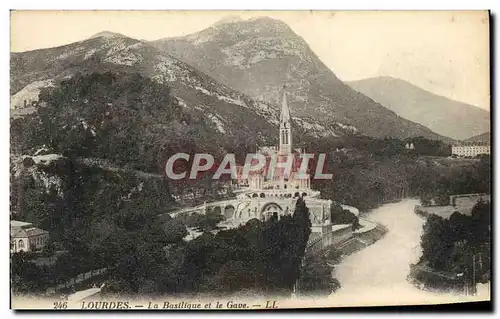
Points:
[(25, 237), (470, 150), (410, 146)]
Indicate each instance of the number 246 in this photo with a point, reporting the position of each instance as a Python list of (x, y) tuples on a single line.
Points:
[(60, 305)]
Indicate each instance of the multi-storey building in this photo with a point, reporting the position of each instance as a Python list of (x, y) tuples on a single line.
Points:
[(470, 150)]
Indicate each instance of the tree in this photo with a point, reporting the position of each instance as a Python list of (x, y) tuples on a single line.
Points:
[(27, 277), (262, 257), (449, 245), (175, 230), (339, 215), (316, 278)]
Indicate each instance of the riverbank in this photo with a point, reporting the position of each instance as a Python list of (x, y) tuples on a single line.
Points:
[(368, 234), (455, 261), (427, 278), (377, 274)]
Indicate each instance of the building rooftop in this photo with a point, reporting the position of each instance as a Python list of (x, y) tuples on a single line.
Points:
[(468, 195), (19, 229), (462, 144), (28, 232), (17, 223)]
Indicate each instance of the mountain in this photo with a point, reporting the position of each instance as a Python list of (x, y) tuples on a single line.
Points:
[(260, 56), (107, 34), (230, 115), (484, 138), (442, 115)]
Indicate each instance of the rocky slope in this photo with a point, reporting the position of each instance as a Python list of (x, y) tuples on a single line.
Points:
[(228, 111), (481, 138), (259, 56), (442, 115)]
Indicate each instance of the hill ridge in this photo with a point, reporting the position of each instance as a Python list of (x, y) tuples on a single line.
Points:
[(258, 56), (455, 119)]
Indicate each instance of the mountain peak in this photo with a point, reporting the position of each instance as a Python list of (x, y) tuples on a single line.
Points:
[(269, 22), (265, 19), (236, 24), (107, 34), (228, 20), (257, 56)]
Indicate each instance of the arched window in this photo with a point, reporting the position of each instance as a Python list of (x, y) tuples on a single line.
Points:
[(21, 243), (229, 211)]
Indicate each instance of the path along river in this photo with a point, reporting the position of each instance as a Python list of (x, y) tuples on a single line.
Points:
[(377, 274)]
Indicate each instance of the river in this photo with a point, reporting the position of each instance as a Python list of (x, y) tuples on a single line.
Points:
[(377, 274)]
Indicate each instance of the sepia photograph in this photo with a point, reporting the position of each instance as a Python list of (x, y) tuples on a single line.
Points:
[(249, 160)]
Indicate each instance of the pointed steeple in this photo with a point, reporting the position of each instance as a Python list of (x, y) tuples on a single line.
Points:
[(285, 111), (285, 137)]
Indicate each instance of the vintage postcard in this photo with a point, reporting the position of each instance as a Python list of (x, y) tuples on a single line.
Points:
[(229, 160)]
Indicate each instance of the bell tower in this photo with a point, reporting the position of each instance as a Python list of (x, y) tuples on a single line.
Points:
[(285, 146)]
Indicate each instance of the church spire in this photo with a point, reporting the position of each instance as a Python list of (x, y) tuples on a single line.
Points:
[(285, 127), (285, 111)]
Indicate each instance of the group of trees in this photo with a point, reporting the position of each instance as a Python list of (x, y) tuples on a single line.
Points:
[(375, 171), (201, 222), (118, 221), (26, 276), (316, 277), (97, 219), (460, 244), (259, 257), (122, 117), (365, 171), (377, 147), (425, 146), (38, 194), (435, 184), (363, 181), (338, 215)]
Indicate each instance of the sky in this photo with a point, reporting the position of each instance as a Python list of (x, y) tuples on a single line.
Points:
[(445, 52)]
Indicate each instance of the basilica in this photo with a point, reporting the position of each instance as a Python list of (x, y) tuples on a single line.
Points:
[(271, 177), (273, 191), (263, 194)]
